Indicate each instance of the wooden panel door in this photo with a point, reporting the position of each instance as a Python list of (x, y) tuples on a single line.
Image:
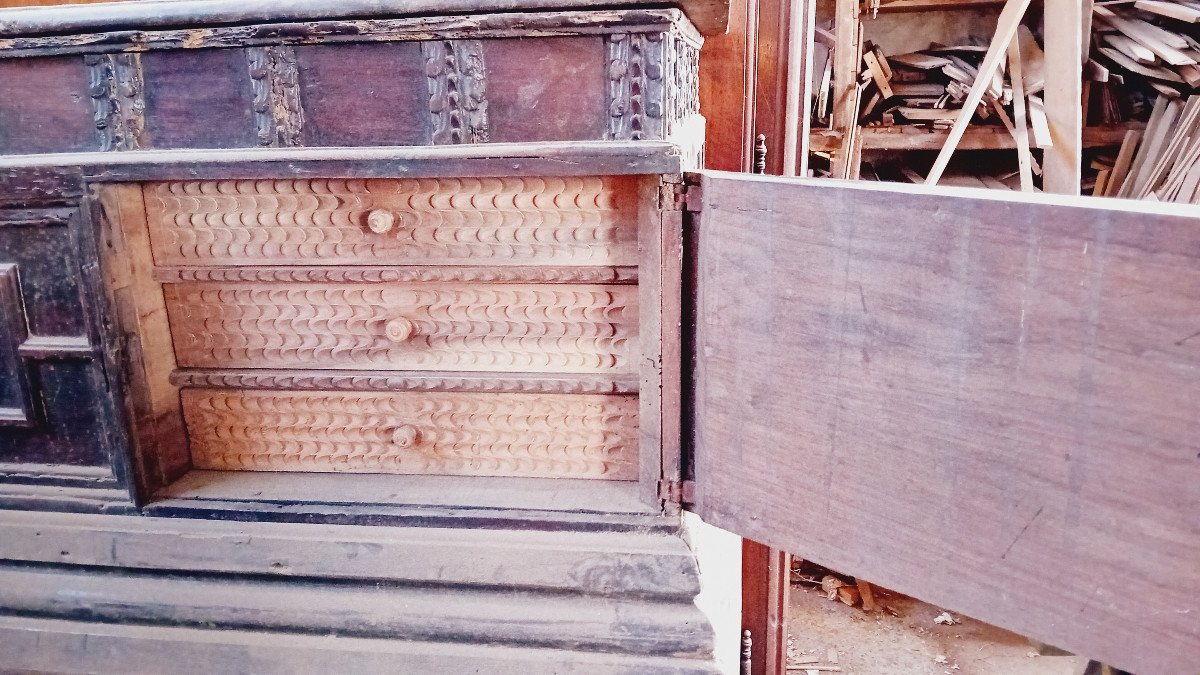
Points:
[(989, 402)]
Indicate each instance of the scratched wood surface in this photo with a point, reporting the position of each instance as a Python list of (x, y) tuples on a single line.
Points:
[(987, 403)]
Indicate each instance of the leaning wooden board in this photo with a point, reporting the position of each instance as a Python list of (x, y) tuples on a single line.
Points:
[(988, 403)]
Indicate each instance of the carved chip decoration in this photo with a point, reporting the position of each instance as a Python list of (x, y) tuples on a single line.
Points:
[(525, 435), (436, 221)]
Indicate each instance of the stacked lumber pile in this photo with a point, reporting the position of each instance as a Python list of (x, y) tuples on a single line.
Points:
[(928, 88), (1151, 40), (1160, 164)]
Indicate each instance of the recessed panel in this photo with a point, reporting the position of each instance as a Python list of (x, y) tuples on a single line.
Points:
[(198, 99), (45, 107)]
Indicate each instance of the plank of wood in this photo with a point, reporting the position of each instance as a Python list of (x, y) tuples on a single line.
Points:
[(1101, 182), (1033, 61), (1006, 28), (1131, 48), (920, 61), (1138, 68), (1020, 127), (927, 114), (884, 64), (918, 89), (1062, 112), (1177, 11), (1120, 168), (1095, 387), (1164, 44), (879, 77), (1190, 74), (1162, 115), (1038, 123)]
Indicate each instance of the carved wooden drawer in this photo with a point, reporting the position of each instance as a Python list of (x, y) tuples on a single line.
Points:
[(468, 434), (568, 328), (435, 221)]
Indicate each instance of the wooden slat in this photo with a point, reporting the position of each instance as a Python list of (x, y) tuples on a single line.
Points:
[(989, 403), (1061, 170)]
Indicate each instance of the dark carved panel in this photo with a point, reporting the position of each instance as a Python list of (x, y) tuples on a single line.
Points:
[(117, 90), (278, 112), (52, 390), (198, 99), (44, 106), (458, 105), (364, 94), (549, 89)]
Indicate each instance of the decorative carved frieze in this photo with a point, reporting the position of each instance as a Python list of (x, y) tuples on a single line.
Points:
[(528, 435), (457, 77), (635, 85), (587, 221), (291, 380), (118, 99), (426, 326), (548, 275), (275, 78), (683, 94)]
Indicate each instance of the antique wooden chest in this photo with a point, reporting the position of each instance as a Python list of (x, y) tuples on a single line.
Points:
[(361, 336)]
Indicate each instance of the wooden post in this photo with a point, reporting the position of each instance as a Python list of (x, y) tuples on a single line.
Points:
[(845, 77), (728, 78), (765, 579), (799, 78), (1061, 170)]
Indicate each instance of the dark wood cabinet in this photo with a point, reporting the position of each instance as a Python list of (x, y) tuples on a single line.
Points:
[(339, 336)]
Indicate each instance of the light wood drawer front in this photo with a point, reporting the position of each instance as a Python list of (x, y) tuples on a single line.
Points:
[(564, 328), (527, 435), (435, 221)]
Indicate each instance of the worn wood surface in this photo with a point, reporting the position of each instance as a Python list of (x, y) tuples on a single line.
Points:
[(988, 403), (198, 99), (710, 16), (42, 176), (45, 107)]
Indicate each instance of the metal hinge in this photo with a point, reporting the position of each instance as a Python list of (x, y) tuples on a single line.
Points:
[(677, 492)]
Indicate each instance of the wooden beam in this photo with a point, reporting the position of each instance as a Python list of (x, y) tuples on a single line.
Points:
[(1061, 171), (846, 58), (1020, 128)]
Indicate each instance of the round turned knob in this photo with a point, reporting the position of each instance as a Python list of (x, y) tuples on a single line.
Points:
[(406, 436), (380, 221), (400, 330)]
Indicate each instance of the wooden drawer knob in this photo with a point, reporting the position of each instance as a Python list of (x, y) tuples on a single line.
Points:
[(406, 436), (380, 221), (400, 330)]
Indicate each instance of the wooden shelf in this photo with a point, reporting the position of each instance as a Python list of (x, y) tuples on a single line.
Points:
[(908, 137), (898, 6)]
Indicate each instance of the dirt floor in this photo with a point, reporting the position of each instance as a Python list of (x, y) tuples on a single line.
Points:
[(901, 637)]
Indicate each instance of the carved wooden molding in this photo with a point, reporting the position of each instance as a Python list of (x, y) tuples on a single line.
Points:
[(560, 275), (635, 86), (457, 77), (437, 221), (528, 435), (118, 99), (291, 380), (426, 326), (275, 78)]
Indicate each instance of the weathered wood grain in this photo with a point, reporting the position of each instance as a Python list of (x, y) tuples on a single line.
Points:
[(548, 89), (45, 107), (198, 99), (364, 94), (984, 402)]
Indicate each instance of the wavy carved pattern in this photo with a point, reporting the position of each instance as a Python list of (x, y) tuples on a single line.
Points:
[(117, 90), (549, 275), (528, 435), (341, 381), (442, 221), (492, 328)]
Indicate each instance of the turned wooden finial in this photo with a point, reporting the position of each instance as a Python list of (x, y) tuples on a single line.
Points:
[(406, 436), (400, 330), (380, 221)]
